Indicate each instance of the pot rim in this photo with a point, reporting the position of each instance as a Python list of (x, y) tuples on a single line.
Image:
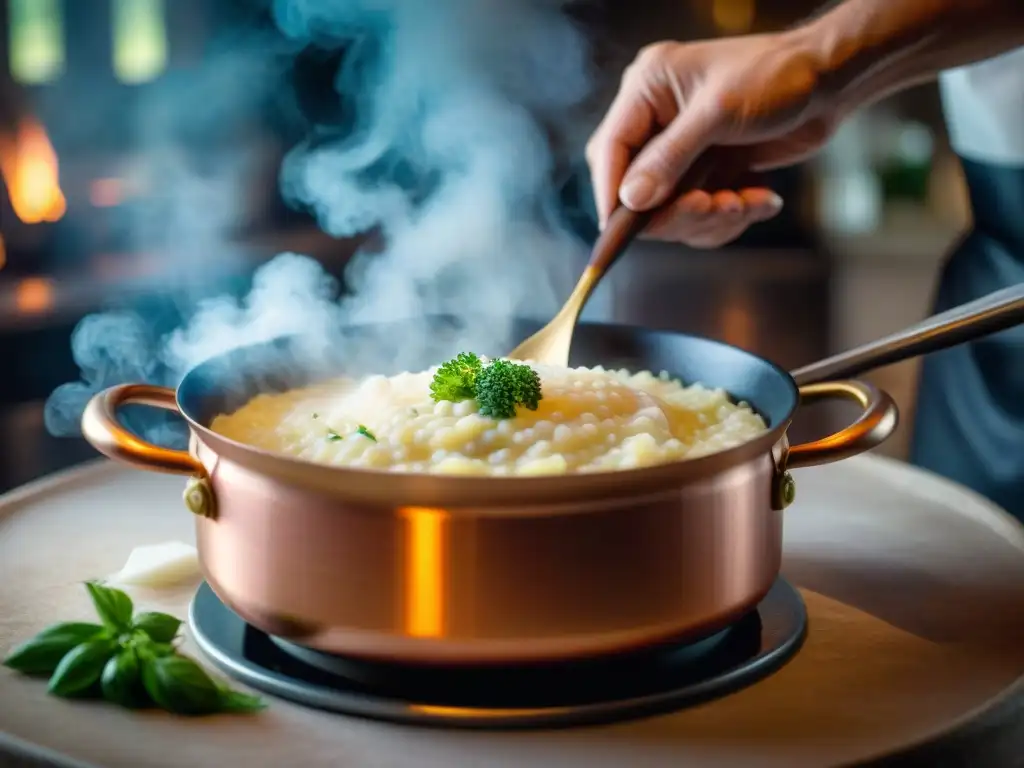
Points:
[(419, 489)]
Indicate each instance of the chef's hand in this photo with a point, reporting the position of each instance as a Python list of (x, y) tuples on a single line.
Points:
[(759, 94)]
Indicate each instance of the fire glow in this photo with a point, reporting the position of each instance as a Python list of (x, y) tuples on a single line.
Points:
[(31, 174)]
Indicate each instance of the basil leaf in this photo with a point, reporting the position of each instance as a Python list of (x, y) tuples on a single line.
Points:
[(160, 627), (121, 681), (240, 703), (145, 648), (156, 650), (42, 654), (82, 667), (113, 606), (179, 685)]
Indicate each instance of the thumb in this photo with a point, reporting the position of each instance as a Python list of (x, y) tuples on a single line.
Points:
[(654, 173)]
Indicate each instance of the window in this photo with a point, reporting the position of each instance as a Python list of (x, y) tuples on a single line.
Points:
[(36, 29), (140, 40)]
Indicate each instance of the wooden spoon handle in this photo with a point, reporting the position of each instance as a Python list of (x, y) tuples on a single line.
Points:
[(625, 224)]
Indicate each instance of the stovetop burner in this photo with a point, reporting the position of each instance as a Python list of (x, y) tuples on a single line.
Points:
[(581, 692)]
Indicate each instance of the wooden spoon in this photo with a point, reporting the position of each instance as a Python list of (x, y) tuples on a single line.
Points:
[(550, 345)]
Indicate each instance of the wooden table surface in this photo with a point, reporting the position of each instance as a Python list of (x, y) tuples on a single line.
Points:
[(913, 589)]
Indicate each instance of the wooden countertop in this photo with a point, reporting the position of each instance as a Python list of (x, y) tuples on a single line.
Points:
[(913, 588)]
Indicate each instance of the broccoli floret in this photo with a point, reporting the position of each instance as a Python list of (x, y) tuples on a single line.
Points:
[(503, 386), (456, 380), (499, 387)]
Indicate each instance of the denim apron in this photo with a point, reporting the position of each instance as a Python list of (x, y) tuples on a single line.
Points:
[(969, 425)]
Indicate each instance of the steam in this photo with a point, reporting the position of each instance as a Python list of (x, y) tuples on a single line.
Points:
[(455, 105)]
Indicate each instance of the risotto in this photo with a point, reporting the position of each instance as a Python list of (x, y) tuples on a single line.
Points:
[(587, 420)]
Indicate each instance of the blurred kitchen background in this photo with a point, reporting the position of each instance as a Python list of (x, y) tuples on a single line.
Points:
[(82, 108)]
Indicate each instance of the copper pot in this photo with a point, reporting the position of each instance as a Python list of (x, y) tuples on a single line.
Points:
[(468, 570)]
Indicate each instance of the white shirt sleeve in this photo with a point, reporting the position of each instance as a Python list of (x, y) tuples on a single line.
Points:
[(984, 105)]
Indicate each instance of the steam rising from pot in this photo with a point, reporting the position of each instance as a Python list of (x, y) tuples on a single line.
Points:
[(454, 104)]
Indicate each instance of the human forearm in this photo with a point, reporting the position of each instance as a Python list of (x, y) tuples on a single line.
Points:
[(869, 49)]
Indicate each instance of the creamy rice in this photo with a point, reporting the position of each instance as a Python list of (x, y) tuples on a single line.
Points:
[(589, 420)]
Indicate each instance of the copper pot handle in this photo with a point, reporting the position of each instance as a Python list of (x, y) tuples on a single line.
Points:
[(102, 429), (874, 426)]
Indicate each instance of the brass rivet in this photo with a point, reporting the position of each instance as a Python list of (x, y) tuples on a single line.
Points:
[(198, 498), (788, 489)]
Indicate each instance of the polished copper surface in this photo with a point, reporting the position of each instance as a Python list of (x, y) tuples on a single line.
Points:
[(430, 569), (494, 585), (873, 427), (101, 428)]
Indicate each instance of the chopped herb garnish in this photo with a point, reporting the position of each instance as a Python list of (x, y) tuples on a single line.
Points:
[(366, 433), (316, 415), (333, 436)]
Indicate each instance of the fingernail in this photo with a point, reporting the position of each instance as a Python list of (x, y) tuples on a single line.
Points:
[(638, 191), (769, 209)]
